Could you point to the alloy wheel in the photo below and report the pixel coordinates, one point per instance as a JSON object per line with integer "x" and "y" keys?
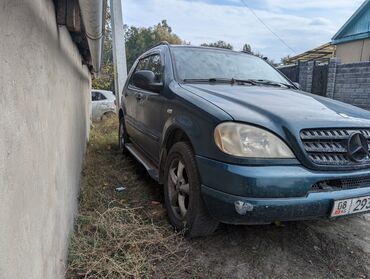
{"x": 178, "y": 188}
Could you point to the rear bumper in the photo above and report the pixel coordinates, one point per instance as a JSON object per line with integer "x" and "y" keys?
{"x": 271, "y": 193}
{"x": 267, "y": 210}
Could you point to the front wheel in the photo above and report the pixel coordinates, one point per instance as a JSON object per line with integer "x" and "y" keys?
{"x": 185, "y": 207}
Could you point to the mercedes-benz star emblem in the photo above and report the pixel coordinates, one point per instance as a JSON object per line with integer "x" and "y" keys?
{"x": 358, "y": 148}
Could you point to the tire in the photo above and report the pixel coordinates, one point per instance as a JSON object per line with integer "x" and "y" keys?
{"x": 122, "y": 135}
{"x": 182, "y": 189}
{"x": 107, "y": 115}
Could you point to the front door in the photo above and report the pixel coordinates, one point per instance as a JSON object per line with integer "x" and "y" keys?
{"x": 131, "y": 99}
{"x": 148, "y": 120}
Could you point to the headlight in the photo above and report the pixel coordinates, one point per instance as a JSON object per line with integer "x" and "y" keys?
{"x": 248, "y": 141}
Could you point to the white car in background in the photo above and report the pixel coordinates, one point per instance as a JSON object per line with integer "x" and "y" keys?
{"x": 103, "y": 104}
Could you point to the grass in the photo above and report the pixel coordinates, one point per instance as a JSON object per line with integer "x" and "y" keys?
{"x": 122, "y": 234}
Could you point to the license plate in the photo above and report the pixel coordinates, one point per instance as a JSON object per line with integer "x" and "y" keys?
{"x": 350, "y": 206}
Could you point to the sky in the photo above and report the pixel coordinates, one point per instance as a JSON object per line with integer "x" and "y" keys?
{"x": 302, "y": 24}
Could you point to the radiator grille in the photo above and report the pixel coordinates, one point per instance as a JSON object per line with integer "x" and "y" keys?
{"x": 328, "y": 147}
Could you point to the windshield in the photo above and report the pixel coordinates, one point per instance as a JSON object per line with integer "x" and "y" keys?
{"x": 202, "y": 63}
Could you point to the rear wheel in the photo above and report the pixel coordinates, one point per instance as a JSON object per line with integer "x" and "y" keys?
{"x": 109, "y": 114}
{"x": 122, "y": 135}
{"x": 185, "y": 207}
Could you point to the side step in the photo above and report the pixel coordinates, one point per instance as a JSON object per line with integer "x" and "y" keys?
{"x": 149, "y": 166}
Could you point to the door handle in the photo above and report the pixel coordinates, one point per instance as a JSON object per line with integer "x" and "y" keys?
{"x": 139, "y": 96}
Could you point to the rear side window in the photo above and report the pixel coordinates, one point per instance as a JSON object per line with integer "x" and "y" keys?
{"x": 97, "y": 96}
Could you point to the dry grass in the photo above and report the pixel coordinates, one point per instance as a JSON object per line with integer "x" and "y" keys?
{"x": 121, "y": 235}
{"x": 119, "y": 243}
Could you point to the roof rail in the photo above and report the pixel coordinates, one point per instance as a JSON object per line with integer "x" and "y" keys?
{"x": 159, "y": 44}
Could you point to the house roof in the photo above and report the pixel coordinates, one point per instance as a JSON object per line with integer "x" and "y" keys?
{"x": 320, "y": 53}
{"x": 357, "y": 26}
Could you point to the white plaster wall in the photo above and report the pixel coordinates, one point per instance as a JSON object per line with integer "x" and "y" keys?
{"x": 44, "y": 126}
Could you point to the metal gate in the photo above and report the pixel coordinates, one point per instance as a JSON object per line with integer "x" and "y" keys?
{"x": 320, "y": 79}
{"x": 291, "y": 72}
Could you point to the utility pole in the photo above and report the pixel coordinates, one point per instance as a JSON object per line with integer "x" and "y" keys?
{"x": 119, "y": 51}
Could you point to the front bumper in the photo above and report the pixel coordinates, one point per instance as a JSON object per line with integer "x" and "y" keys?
{"x": 275, "y": 193}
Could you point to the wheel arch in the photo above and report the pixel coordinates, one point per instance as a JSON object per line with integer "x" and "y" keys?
{"x": 174, "y": 134}
{"x": 120, "y": 113}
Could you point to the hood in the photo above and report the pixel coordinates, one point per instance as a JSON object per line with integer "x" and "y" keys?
{"x": 278, "y": 108}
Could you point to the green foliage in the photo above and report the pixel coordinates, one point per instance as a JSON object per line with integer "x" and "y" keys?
{"x": 140, "y": 39}
{"x": 219, "y": 44}
{"x": 105, "y": 81}
{"x": 247, "y": 48}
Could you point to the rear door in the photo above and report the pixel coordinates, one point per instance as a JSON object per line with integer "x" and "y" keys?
{"x": 98, "y": 102}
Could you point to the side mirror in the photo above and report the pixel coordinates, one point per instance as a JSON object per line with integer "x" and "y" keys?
{"x": 145, "y": 79}
{"x": 297, "y": 85}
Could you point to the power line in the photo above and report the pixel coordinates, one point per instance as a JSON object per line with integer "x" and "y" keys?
{"x": 267, "y": 27}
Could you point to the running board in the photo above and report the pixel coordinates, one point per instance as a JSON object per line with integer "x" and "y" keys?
{"x": 149, "y": 166}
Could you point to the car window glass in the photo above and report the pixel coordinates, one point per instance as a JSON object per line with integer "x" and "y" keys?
{"x": 101, "y": 97}
{"x": 151, "y": 63}
{"x": 199, "y": 63}
{"x": 93, "y": 96}
{"x": 142, "y": 65}
{"x": 97, "y": 96}
{"x": 155, "y": 66}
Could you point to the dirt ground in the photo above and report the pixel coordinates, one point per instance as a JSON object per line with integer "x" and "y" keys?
{"x": 126, "y": 234}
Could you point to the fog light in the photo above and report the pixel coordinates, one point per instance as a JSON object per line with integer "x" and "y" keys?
{"x": 243, "y": 207}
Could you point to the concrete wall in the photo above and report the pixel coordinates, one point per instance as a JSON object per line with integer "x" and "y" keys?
{"x": 306, "y": 75}
{"x": 351, "y": 52}
{"x": 44, "y": 125}
{"x": 349, "y": 83}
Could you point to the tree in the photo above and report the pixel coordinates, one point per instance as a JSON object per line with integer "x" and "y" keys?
{"x": 285, "y": 60}
{"x": 106, "y": 79}
{"x": 247, "y": 48}
{"x": 138, "y": 40}
{"x": 219, "y": 44}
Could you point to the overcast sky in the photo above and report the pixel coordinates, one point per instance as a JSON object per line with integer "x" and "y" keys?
{"x": 302, "y": 24}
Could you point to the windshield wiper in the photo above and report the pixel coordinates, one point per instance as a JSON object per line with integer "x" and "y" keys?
{"x": 220, "y": 80}
{"x": 273, "y": 83}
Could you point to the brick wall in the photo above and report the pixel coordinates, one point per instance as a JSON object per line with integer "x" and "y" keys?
{"x": 305, "y": 75}
{"x": 349, "y": 83}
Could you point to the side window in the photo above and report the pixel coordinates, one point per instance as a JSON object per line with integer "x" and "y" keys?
{"x": 93, "y": 96}
{"x": 155, "y": 66}
{"x": 97, "y": 96}
{"x": 101, "y": 96}
{"x": 142, "y": 65}
{"x": 151, "y": 63}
